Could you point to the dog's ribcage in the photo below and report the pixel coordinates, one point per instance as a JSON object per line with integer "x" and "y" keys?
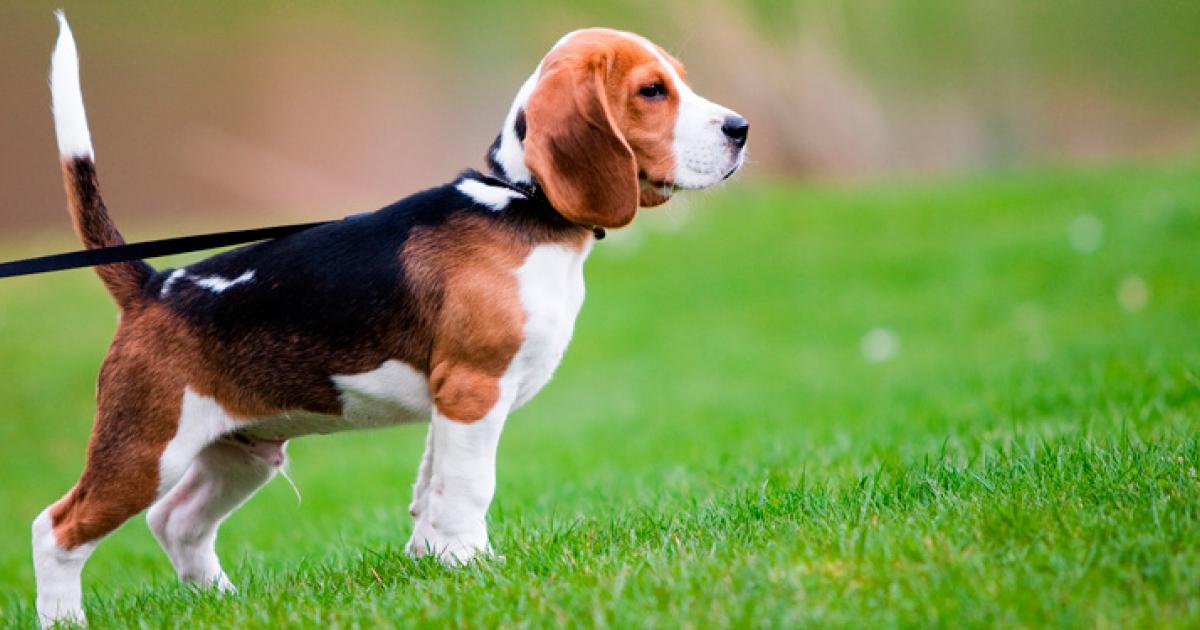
{"x": 551, "y": 293}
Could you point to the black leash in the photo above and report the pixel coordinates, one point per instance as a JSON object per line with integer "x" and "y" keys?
{"x": 148, "y": 249}
{"x": 185, "y": 244}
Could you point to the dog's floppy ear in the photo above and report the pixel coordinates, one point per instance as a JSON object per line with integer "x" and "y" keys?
{"x": 574, "y": 148}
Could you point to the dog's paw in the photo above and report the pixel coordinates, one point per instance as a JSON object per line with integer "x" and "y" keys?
{"x": 51, "y": 617}
{"x": 417, "y": 508}
{"x": 451, "y": 550}
{"x": 208, "y": 580}
{"x": 223, "y": 586}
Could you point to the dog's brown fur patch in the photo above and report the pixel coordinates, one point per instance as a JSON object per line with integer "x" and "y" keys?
{"x": 140, "y": 392}
{"x": 480, "y": 319}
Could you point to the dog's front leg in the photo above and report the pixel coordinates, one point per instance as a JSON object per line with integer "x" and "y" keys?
{"x": 460, "y": 461}
{"x": 420, "y": 499}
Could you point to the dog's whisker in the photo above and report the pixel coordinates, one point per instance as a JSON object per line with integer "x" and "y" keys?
{"x": 285, "y": 472}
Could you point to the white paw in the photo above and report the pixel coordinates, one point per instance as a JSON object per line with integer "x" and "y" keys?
{"x": 451, "y": 550}
{"x": 209, "y": 577}
{"x": 50, "y": 614}
{"x": 222, "y": 585}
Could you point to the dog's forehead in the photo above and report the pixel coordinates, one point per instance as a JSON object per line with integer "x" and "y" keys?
{"x": 626, "y": 48}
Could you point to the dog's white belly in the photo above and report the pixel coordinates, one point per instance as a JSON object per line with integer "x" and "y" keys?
{"x": 293, "y": 424}
{"x": 394, "y": 393}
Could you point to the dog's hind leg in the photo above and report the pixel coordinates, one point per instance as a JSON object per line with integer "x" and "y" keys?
{"x": 135, "y": 423}
{"x": 221, "y": 478}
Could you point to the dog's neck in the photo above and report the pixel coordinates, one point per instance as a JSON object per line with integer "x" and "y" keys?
{"x": 506, "y": 158}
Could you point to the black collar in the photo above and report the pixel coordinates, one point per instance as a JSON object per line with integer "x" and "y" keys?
{"x": 532, "y": 191}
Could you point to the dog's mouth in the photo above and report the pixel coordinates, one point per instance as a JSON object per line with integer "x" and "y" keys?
{"x": 737, "y": 164}
{"x": 665, "y": 188}
{"x": 654, "y": 192}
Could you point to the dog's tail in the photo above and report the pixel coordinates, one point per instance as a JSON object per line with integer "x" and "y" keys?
{"x": 88, "y": 213}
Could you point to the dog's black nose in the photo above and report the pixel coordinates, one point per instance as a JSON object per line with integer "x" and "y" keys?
{"x": 736, "y": 129}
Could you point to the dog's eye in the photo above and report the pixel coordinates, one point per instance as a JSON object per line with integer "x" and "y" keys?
{"x": 653, "y": 91}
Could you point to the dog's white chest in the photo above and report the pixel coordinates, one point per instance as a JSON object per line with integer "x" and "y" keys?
{"x": 550, "y": 289}
{"x": 551, "y": 293}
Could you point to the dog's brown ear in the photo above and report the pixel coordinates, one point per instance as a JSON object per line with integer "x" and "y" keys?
{"x": 574, "y": 148}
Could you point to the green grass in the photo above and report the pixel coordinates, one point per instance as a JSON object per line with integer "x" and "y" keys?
{"x": 716, "y": 451}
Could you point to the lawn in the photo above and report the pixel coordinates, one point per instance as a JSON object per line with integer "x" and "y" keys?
{"x": 968, "y": 403}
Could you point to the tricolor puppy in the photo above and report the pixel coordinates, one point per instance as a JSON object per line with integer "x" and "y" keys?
{"x": 455, "y": 305}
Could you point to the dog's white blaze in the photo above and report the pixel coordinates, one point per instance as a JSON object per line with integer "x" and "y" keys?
{"x": 494, "y": 197}
{"x": 170, "y": 282}
{"x": 457, "y": 477}
{"x": 58, "y": 572}
{"x": 703, "y": 155}
{"x": 217, "y": 284}
{"x": 70, "y": 120}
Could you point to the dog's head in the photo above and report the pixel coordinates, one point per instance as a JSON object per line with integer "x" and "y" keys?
{"x": 608, "y": 124}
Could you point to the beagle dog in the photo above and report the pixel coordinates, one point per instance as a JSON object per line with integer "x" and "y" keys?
{"x": 453, "y": 305}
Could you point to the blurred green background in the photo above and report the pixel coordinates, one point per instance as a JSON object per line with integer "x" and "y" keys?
{"x": 930, "y": 360}
{"x": 241, "y": 112}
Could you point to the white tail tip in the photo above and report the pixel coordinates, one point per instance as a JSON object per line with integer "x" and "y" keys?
{"x": 70, "y": 121}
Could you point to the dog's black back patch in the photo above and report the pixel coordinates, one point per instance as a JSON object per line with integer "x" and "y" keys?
{"x": 287, "y": 315}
